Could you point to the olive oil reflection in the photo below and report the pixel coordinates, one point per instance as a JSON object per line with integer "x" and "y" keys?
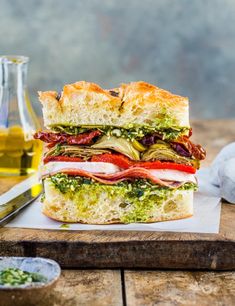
{"x": 17, "y": 155}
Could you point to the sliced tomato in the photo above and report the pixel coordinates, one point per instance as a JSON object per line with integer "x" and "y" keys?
{"x": 116, "y": 159}
{"x": 62, "y": 158}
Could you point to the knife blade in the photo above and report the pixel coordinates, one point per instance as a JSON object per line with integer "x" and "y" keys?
{"x": 11, "y": 208}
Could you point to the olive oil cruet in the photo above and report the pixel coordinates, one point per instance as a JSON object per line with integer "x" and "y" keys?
{"x": 20, "y": 153}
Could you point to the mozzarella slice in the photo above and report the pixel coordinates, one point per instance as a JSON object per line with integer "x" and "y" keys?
{"x": 93, "y": 167}
{"x": 174, "y": 175}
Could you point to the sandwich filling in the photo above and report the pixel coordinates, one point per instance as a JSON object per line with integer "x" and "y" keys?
{"x": 150, "y": 147}
{"x": 166, "y": 126}
{"x": 134, "y": 174}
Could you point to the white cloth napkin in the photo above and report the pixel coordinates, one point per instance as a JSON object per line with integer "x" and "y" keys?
{"x": 219, "y": 179}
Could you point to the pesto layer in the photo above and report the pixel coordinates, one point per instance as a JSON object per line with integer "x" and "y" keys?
{"x": 166, "y": 125}
{"x": 132, "y": 202}
{"x": 66, "y": 183}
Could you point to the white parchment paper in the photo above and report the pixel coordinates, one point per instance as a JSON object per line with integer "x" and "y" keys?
{"x": 206, "y": 219}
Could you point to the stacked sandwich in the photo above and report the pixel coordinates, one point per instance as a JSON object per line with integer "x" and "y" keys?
{"x": 117, "y": 156}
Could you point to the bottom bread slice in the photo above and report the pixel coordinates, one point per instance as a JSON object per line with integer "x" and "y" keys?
{"x": 105, "y": 204}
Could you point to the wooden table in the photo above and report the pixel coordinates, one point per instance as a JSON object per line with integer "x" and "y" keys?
{"x": 150, "y": 287}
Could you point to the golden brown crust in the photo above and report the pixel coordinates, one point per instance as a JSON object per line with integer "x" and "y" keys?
{"x": 48, "y": 214}
{"x": 69, "y": 89}
{"x": 151, "y": 93}
{"x": 47, "y": 95}
{"x": 85, "y": 103}
{"x": 126, "y": 91}
{"x": 84, "y": 86}
{"x": 81, "y": 103}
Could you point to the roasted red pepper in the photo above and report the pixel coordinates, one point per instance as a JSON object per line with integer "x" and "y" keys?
{"x": 125, "y": 163}
{"x": 116, "y": 159}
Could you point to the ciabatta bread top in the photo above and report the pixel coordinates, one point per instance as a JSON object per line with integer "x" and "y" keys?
{"x": 140, "y": 103}
{"x": 81, "y": 103}
{"x": 144, "y": 102}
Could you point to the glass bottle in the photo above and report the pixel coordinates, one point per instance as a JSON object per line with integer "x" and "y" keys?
{"x": 20, "y": 153}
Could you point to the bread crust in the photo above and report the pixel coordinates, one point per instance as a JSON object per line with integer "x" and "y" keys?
{"x": 152, "y": 93}
{"x": 127, "y": 92}
{"x": 81, "y": 87}
{"x": 136, "y": 102}
{"x": 152, "y": 220}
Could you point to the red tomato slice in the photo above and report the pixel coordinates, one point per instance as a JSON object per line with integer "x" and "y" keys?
{"x": 62, "y": 158}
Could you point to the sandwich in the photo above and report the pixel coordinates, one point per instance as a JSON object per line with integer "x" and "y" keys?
{"x": 122, "y": 155}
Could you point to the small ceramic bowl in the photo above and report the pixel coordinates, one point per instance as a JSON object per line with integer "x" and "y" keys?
{"x": 29, "y": 294}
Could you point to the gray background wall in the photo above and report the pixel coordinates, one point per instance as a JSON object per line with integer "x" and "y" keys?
{"x": 186, "y": 46}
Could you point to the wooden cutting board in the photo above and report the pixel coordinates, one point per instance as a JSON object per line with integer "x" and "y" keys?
{"x": 114, "y": 249}
{"x": 129, "y": 249}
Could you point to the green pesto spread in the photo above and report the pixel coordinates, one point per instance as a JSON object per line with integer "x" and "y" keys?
{"x": 141, "y": 196}
{"x": 65, "y": 226}
{"x": 166, "y": 125}
{"x": 42, "y": 199}
{"x": 66, "y": 183}
{"x": 15, "y": 277}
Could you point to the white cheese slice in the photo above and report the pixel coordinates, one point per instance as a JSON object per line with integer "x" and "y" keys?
{"x": 174, "y": 175}
{"x": 93, "y": 167}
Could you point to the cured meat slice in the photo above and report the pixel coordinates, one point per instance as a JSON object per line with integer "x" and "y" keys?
{"x": 114, "y": 178}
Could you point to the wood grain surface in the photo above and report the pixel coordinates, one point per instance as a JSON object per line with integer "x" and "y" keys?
{"x": 75, "y": 287}
{"x": 163, "y": 288}
{"x": 87, "y": 287}
{"x": 115, "y": 249}
{"x": 170, "y": 288}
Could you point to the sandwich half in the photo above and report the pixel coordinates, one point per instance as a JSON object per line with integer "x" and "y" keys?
{"x": 117, "y": 156}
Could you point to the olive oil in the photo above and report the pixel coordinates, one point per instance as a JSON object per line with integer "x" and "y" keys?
{"x": 17, "y": 155}
{"x": 20, "y": 153}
